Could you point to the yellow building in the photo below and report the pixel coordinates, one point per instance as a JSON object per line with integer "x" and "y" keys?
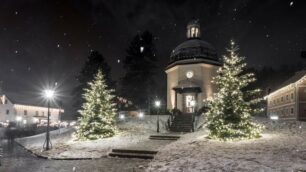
{"x": 192, "y": 65}
{"x": 289, "y": 101}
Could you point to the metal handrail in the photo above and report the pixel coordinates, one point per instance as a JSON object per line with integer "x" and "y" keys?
{"x": 193, "y": 122}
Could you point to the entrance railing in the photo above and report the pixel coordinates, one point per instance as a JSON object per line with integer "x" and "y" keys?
{"x": 172, "y": 115}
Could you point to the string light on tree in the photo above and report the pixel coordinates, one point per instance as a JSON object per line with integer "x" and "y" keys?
{"x": 229, "y": 116}
{"x": 98, "y": 111}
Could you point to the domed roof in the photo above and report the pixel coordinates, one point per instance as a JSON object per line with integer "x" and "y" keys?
{"x": 194, "y": 50}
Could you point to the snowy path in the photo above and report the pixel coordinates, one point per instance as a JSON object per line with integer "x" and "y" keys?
{"x": 16, "y": 159}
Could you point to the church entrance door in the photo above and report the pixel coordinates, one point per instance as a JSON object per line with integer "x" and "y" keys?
{"x": 189, "y": 103}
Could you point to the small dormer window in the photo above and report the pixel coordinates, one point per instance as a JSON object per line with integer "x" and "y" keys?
{"x": 5, "y": 101}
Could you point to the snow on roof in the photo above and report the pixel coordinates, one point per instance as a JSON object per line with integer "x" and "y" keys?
{"x": 295, "y": 78}
{"x": 28, "y": 100}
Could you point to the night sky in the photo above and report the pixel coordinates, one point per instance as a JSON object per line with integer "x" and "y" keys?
{"x": 45, "y": 41}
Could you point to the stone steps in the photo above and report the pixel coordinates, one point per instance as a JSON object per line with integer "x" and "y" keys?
{"x": 182, "y": 123}
{"x": 181, "y": 129}
{"x": 132, "y": 153}
{"x": 164, "y": 137}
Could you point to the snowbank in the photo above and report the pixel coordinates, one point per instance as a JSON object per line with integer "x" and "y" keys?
{"x": 281, "y": 148}
{"x": 147, "y": 124}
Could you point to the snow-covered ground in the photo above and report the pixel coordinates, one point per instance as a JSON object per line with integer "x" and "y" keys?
{"x": 281, "y": 148}
{"x": 133, "y": 133}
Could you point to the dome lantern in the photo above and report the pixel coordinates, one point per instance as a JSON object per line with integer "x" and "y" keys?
{"x": 194, "y": 49}
{"x": 193, "y": 29}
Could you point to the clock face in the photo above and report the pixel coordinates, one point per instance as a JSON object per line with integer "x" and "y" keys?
{"x": 189, "y": 74}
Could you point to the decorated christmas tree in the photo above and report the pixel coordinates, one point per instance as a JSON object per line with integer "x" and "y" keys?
{"x": 229, "y": 115}
{"x": 98, "y": 111}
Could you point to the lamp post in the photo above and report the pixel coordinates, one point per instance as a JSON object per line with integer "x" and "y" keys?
{"x": 157, "y": 105}
{"x": 49, "y": 94}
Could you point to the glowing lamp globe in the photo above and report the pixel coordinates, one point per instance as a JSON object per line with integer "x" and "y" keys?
{"x": 49, "y": 94}
{"x": 157, "y": 103}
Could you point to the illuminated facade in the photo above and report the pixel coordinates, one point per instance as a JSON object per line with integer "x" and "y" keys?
{"x": 192, "y": 66}
{"x": 26, "y": 114}
{"x": 289, "y": 101}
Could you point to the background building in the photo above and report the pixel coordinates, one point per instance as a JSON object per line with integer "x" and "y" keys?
{"x": 289, "y": 101}
{"x": 192, "y": 66}
{"x": 26, "y": 114}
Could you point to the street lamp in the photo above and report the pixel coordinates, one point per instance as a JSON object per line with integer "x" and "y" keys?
{"x": 49, "y": 94}
{"x": 157, "y": 105}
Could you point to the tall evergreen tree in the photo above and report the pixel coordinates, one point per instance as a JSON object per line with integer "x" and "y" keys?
{"x": 140, "y": 64}
{"x": 98, "y": 111}
{"x": 229, "y": 116}
{"x": 94, "y": 62}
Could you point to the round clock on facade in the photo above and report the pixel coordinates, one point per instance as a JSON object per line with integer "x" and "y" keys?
{"x": 189, "y": 74}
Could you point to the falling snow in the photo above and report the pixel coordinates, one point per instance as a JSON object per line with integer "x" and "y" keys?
{"x": 141, "y": 49}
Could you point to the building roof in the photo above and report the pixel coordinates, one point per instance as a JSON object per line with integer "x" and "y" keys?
{"x": 23, "y": 99}
{"x": 194, "y": 48}
{"x": 297, "y": 76}
{"x": 187, "y": 85}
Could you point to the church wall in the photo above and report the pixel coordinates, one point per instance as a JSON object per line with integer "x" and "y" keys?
{"x": 172, "y": 81}
{"x": 208, "y": 88}
{"x": 203, "y": 74}
{"x": 198, "y": 76}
